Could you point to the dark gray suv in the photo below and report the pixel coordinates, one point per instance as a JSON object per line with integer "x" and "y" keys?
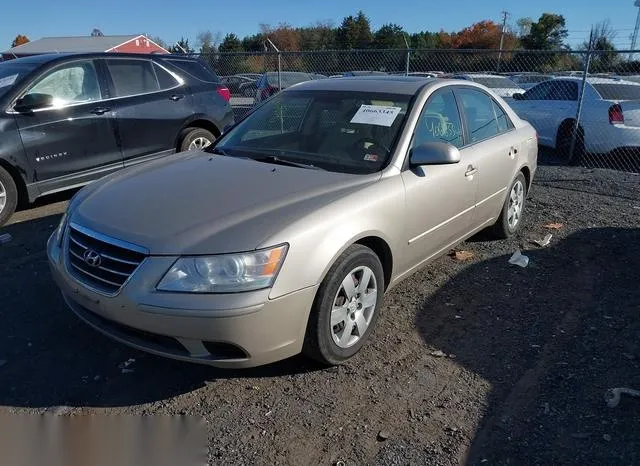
{"x": 68, "y": 119}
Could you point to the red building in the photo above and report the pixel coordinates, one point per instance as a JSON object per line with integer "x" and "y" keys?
{"x": 88, "y": 44}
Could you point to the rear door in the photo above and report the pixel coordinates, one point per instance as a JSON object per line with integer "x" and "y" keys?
{"x": 491, "y": 151}
{"x": 75, "y": 135}
{"x": 151, "y": 105}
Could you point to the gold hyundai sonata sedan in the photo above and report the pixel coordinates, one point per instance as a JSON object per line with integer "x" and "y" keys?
{"x": 284, "y": 235}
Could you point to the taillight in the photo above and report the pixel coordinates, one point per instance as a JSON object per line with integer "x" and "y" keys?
{"x": 224, "y": 93}
{"x": 615, "y": 115}
{"x": 268, "y": 92}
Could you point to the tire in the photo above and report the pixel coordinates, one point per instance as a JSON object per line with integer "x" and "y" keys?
{"x": 192, "y": 138}
{"x": 8, "y": 196}
{"x": 335, "y": 344}
{"x": 505, "y": 227}
{"x": 563, "y": 144}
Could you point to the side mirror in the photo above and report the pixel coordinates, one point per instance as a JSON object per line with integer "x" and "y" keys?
{"x": 34, "y": 102}
{"x": 434, "y": 153}
{"x": 518, "y": 96}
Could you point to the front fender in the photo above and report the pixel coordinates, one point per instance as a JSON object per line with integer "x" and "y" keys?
{"x": 317, "y": 240}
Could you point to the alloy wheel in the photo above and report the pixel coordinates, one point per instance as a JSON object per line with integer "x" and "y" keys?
{"x": 516, "y": 204}
{"x": 199, "y": 143}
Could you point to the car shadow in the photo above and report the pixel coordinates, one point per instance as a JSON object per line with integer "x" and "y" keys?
{"x": 48, "y": 357}
{"x": 550, "y": 339}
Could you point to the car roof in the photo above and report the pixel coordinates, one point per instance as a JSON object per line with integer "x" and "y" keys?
{"x": 51, "y": 57}
{"x": 592, "y": 80}
{"x": 407, "y": 85}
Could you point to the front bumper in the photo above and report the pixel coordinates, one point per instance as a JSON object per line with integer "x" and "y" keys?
{"x": 224, "y": 330}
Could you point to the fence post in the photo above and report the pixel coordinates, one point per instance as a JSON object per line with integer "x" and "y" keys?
{"x": 408, "y": 58}
{"x": 279, "y": 64}
{"x": 576, "y": 124}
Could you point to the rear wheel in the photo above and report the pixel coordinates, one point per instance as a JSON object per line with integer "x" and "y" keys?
{"x": 346, "y": 307}
{"x": 511, "y": 216}
{"x": 8, "y": 196}
{"x": 196, "y": 139}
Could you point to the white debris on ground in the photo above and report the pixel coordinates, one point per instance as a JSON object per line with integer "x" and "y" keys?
{"x": 519, "y": 259}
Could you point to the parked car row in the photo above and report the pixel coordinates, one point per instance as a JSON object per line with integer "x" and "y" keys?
{"x": 68, "y": 119}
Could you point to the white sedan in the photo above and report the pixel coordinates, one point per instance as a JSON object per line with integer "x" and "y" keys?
{"x": 609, "y": 122}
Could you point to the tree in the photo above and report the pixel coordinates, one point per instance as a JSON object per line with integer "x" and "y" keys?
{"x": 548, "y": 33}
{"x": 158, "y": 40}
{"x": 389, "y": 36}
{"x": 601, "y": 41}
{"x": 254, "y": 43}
{"x": 208, "y": 42}
{"x": 355, "y": 32}
{"x": 320, "y": 36}
{"x": 424, "y": 40}
{"x": 284, "y": 36}
{"x": 19, "y": 40}
{"x": 182, "y": 46}
{"x": 524, "y": 26}
{"x": 483, "y": 35}
{"x": 230, "y": 43}
{"x": 96, "y": 33}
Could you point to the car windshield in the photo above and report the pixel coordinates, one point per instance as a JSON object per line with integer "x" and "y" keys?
{"x": 496, "y": 83}
{"x": 288, "y": 79}
{"x": 11, "y": 72}
{"x": 618, "y": 91}
{"x": 348, "y": 132}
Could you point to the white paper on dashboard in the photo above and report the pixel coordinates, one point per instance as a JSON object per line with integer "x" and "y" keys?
{"x": 376, "y": 115}
{"x": 8, "y": 80}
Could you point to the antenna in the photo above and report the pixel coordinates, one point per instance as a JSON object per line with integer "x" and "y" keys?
{"x": 634, "y": 37}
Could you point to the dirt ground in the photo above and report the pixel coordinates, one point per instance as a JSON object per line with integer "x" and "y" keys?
{"x": 472, "y": 362}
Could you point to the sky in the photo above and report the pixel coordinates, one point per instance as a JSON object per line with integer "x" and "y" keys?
{"x": 171, "y": 20}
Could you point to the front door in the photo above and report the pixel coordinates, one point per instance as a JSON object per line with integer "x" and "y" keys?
{"x": 151, "y": 107}
{"x": 440, "y": 199}
{"x": 76, "y": 134}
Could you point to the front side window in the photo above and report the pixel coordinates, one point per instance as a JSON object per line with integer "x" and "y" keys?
{"x": 76, "y": 82}
{"x": 342, "y": 131}
{"x": 132, "y": 77}
{"x": 479, "y": 113}
{"x": 439, "y": 121}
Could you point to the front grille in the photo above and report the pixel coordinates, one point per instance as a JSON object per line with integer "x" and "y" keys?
{"x": 107, "y": 274}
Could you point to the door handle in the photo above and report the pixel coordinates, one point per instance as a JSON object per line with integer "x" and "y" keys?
{"x": 176, "y": 97}
{"x": 100, "y": 110}
{"x": 471, "y": 170}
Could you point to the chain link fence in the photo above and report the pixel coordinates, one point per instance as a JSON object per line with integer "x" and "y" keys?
{"x": 585, "y": 105}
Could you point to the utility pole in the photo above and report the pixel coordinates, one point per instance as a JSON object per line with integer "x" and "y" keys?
{"x": 505, "y": 15}
{"x": 634, "y": 37}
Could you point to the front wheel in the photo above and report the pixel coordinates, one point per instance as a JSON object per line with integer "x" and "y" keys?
{"x": 8, "y": 196}
{"x": 510, "y": 218}
{"x": 346, "y": 307}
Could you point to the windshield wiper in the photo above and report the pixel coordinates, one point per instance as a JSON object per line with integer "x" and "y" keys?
{"x": 280, "y": 161}
{"x": 219, "y": 151}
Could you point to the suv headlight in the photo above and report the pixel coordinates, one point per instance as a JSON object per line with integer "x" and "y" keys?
{"x": 225, "y": 273}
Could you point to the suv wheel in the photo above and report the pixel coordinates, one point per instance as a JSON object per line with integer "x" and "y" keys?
{"x": 8, "y": 196}
{"x": 196, "y": 139}
{"x": 346, "y": 307}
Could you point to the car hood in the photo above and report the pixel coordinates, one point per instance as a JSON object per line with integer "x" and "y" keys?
{"x": 199, "y": 203}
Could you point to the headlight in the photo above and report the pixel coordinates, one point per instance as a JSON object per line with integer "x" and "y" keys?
{"x": 226, "y": 273}
{"x": 61, "y": 227}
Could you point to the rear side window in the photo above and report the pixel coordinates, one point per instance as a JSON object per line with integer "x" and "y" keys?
{"x": 165, "y": 79}
{"x": 478, "y": 110}
{"x": 563, "y": 90}
{"x": 132, "y": 77}
{"x": 504, "y": 123}
{"x": 618, "y": 91}
{"x": 196, "y": 69}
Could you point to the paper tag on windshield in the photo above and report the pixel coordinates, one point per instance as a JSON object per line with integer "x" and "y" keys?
{"x": 376, "y": 115}
{"x": 8, "y": 80}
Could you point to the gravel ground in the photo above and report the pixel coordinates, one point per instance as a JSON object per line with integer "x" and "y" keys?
{"x": 475, "y": 362}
